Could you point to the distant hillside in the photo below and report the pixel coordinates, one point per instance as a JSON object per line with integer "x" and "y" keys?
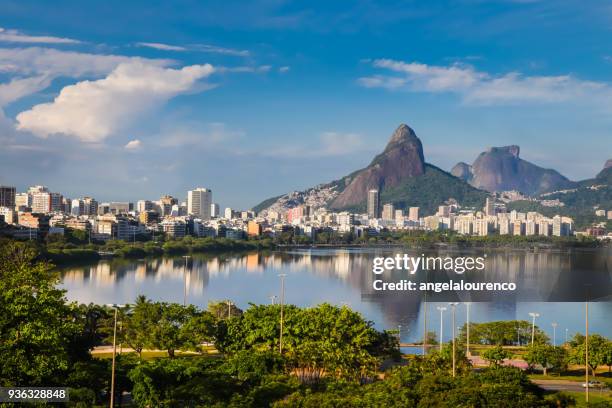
{"x": 579, "y": 202}
{"x": 399, "y": 173}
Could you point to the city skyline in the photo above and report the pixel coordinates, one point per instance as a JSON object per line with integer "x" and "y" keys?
{"x": 235, "y": 96}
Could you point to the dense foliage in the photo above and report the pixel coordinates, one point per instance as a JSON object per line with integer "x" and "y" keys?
{"x": 504, "y": 333}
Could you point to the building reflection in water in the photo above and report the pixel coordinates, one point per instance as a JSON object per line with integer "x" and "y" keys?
{"x": 345, "y": 276}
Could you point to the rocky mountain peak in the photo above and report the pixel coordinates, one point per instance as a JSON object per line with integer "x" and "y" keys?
{"x": 501, "y": 169}
{"x": 608, "y": 164}
{"x": 402, "y": 158}
{"x": 512, "y": 150}
{"x": 402, "y": 135}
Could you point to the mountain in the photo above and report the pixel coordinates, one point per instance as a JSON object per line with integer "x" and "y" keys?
{"x": 605, "y": 175}
{"x": 501, "y": 169}
{"x": 401, "y": 159}
{"x": 401, "y": 175}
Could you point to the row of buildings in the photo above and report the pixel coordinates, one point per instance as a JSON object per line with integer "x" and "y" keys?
{"x": 39, "y": 211}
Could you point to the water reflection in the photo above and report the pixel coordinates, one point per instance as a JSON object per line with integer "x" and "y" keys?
{"x": 547, "y": 283}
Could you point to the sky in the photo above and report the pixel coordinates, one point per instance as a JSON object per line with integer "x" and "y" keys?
{"x": 133, "y": 100}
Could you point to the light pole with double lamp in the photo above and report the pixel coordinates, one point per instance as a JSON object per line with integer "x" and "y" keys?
{"x": 441, "y": 309}
{"x": 282, "y": 306}
{"x": 554, "y": 326}
{"x": 112, "y": 390}
{"x": 453, "y": 306}
{"x": 467, "y": 328}
{"x": 533, "y": 317}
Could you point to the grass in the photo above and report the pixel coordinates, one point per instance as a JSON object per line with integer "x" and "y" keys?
{"x": 594, "y": 397}
{"x": 151, "y": 354}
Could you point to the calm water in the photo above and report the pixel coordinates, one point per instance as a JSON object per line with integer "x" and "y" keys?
{"x": 546, "y": 282}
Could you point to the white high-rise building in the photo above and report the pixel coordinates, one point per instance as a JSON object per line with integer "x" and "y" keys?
{"x": 198, "y": 202}
{"x": 228, "y": 213}
{"x": 214, "y": 210}
{"x": 413, "y": 214}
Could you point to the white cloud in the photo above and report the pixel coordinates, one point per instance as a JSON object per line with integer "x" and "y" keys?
{"x": 93, "y": 110}
{"x": 329, "y": 144}
{"x": 212, "y": 49}
{"x": 160, "y": 46}
{"x": 35, "y": 68}
{"x": 334, "y": 143}
{"x": 191, "y": 134}
{"x": 37, "y": 60}
{"x": 133, "y": 145}
{"x": 284, "y": 69}
{"x": 19, "y": 87}
{"x": 481, "y": 87}
{"x": 15, "y": 36}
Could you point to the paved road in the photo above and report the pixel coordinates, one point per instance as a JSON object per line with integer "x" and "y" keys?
{"x": 563, "y": 385}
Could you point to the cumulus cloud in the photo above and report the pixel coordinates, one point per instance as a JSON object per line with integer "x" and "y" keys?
{"x": 133, "y": 145}
{"x": 34, "y": 68}
{"x": 93, "y": 110}
{"x": 481, "y": 87}
{"x": 15, "y": 36}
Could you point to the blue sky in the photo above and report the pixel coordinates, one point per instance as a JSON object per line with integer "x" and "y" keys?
{"x": 132, "y": 100}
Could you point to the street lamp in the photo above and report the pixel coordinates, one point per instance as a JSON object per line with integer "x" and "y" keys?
{"x": 273, "y": 298}
{"x": 566, "y": 331}
{"x": 186, "y": 257}
{"x": 467, "y": 326}
{"x": 453, "y": 305}
{"x": 282, "y": 300}
{"x": 441, "y": 309}
{"x": 399, "y": 333}
{"x": 533, "y": 315}
{"x": 229, "y": 308}
{"x": 554, "y": 326}
{"x": 112, "y": 392}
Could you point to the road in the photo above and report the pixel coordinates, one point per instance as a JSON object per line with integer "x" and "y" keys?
{"x": 563, "y": 385}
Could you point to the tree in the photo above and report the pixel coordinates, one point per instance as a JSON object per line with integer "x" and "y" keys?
{"x": 182, "y": 382}
{"x": 323, "y": 339}
{"x": 547, "y": 356}
{"x": 496, "y": 355}
{"x": 598, "y": 349}
{"x": 167, "y": 334}
{"x": 224, "y": 309}
{"x": 37, "y": 327}
{"x": 139, "y": 323}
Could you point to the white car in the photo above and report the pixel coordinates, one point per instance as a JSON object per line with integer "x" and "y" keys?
{"x": 592, "y": 384}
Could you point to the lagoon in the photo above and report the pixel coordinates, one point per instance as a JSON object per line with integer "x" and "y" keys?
{"x": 551, "y": 283}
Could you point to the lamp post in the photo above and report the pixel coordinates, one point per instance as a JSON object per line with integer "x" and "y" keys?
{"x": 453, "y": 306}
{"x": 554, "y": 326}
{"x": 533, "y": 316}
{"x": 282, "y": 300}
{"x": 399, "y": 333}
{"x": 566, "y": 331}
{"x": 467, "y": 327}
{"x": 441, "y": 309}
{"x": 586, "y": 347}
{"x": 112, "y": 391}
{"x": 186, "y": 257}
{"x": 273, "y": 298}
{"x": 229, "y": 308}
{"x": 425, "y": 319}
